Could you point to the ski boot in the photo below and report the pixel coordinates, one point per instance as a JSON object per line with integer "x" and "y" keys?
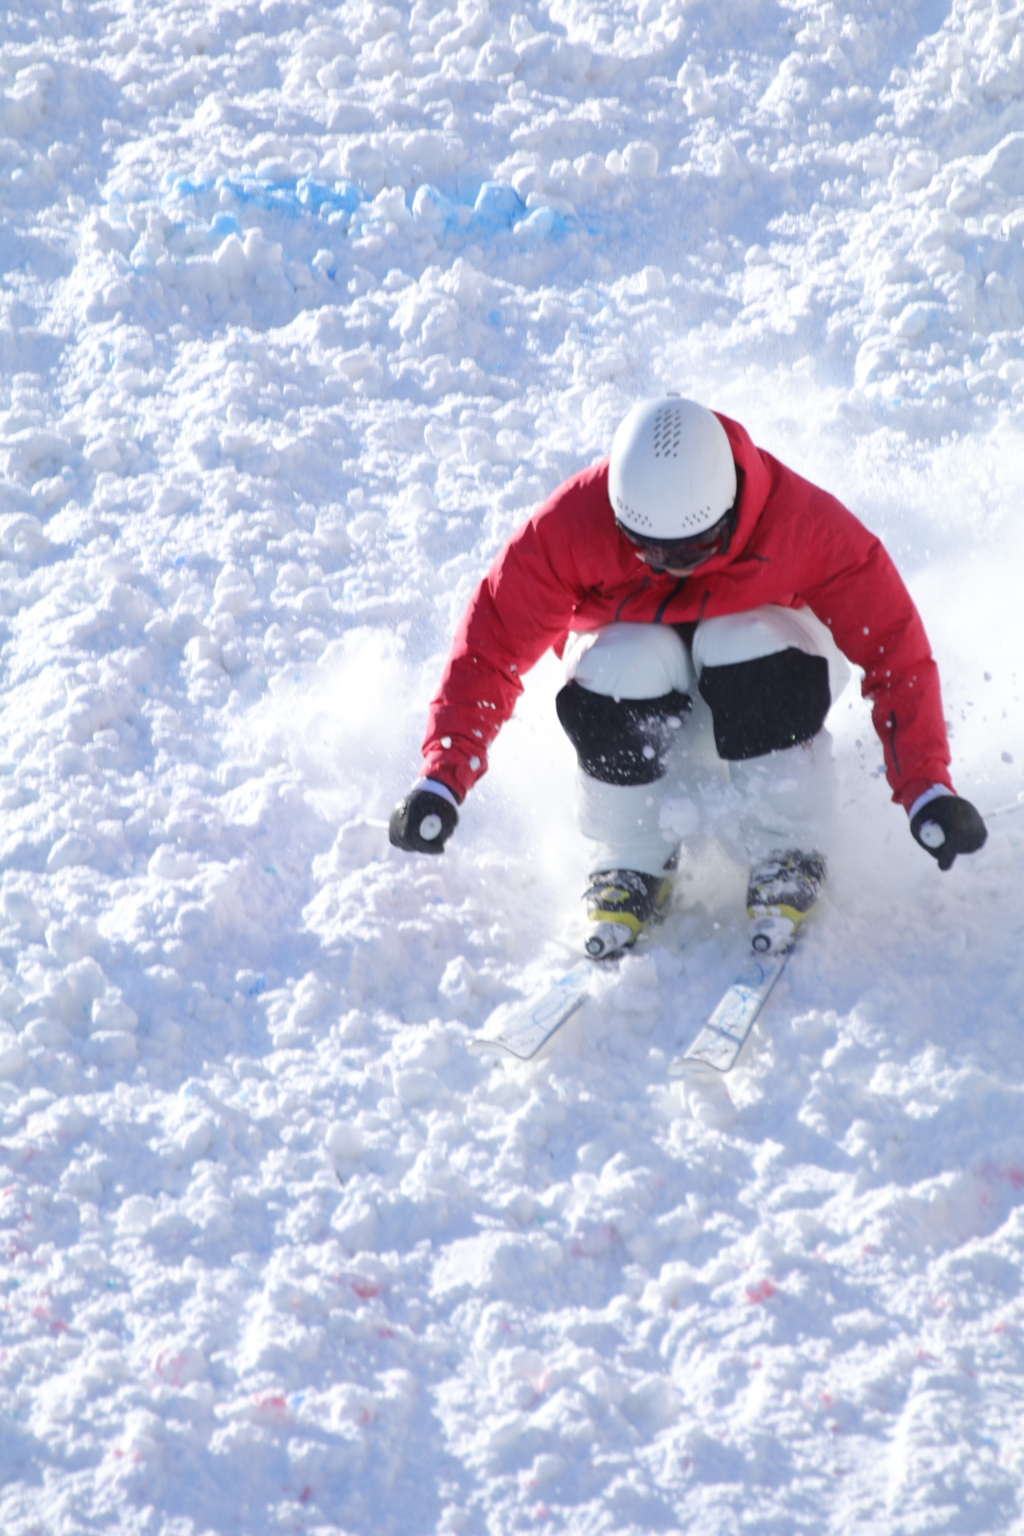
{"x": 782, "y": 892}
{"x": 620, "y": 904}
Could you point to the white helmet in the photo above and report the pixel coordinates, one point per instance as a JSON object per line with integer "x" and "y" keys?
{"x": 672, "y": 473}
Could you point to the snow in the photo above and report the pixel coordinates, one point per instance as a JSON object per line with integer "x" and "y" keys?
{"x": 303, "y": 309}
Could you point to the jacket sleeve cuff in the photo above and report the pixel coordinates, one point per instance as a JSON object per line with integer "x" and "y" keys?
{"x": 447, "y": 773}
{"x": 911, "y": 792}
{"x": 935, "y": 792}
{"x": 436, "y": 787}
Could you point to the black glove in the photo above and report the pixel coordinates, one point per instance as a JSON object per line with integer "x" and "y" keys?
{"x": 422, "y": 822}
{"x": 947, "y": 826}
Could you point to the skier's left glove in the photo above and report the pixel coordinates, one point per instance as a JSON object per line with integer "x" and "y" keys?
{"x": 422, "y": 822}
{"x": 947, "y": 826}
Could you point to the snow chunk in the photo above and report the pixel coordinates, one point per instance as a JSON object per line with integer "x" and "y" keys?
{"x": 21, "y": 913}
{"x": 137, "y": 1214}
{"x": 194, "y": 1139}
{"x": 234, "y": 591}
{"x": 344, "y": 1142}
{"x": 501, "y": 1262}
{"x": 497, "y": 206}
{"x": 356, "y": 1224}
{"x": 12, "y": 1054}
{"x": 1005, "y": 163}
{"x": 459, "y": 982}
{"x": 179, "y": 1362}
{"x": 22, "y": 536}
{"x": 112, "y": 1013}
{"x": 70, "y": 849}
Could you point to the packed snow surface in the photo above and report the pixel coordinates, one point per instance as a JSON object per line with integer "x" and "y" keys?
{"x": 304, "y": 308}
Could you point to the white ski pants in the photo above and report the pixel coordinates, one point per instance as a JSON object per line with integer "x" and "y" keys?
{"x": 780, "y": 796}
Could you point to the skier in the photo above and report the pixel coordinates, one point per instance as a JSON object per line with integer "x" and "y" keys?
{"x": 691, "y": 556}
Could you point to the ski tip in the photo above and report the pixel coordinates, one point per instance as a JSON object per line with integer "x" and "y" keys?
{"x": 692, "y": 1068}
{"x": 480, "y": 1046}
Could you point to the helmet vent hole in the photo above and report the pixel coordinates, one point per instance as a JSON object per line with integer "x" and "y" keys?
{"x": 668, "y": 429}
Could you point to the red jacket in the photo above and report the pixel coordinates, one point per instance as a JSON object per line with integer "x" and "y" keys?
{"x": 569, "y": 568}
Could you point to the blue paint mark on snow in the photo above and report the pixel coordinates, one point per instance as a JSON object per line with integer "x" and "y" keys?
{"x": 497, "y": 206}
{"x": 300, "y": 197}
{"x": 542, "y": 224}
{"x": 224, "y": 224}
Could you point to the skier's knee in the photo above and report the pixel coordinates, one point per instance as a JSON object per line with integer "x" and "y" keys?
{"x": 765, "y": 676}
{"x": 629, "y": 661}
{"x": 624, "y": 700}
{"x": 620, "y": 741}
{"x": 766, "y": 704}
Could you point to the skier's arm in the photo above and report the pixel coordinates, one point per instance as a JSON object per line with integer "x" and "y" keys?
{"x": 523, "y": 606}
{"x": 875, "y": 623}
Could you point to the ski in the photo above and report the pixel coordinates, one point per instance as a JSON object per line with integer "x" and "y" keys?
{"x": 526, "y": 1026}
{"x": 723, "y": 1036}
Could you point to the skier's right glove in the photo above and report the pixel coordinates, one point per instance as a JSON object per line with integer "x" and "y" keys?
{"x": 422, "y": 822}
{"x": 947, "y": 826}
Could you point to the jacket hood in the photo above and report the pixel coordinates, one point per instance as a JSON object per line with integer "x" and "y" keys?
{"x": 755, "y": 485}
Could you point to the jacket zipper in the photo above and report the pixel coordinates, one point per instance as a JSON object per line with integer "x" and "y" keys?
{"x": 892, "y": 741}
{"x": 659, "y": 613}
{"x": 629, "y": 596}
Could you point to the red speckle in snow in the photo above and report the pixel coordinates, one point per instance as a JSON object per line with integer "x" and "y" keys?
{"x": 306, "y": 1495}
{"x": 366, "y": 1417}
{"x": 271, "y": 1403}
{"x": 539, "y": 1512}
{"x": 170, "y": 1365}
{"x": 826, "y": 1399}
{"x": 1013, "y": 1175}
{"x": 1001, "y": 1328}
{"x": 385, "y": 1333}
{"x": 762, "y": 1291}
{"x": 365, "y": 1288}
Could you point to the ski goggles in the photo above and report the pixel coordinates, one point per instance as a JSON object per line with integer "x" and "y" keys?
{"x": 683, "y": 554}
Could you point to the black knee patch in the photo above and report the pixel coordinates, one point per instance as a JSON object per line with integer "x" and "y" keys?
{"x": 620, "y": 741}
{"x": 766, "y": 704}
